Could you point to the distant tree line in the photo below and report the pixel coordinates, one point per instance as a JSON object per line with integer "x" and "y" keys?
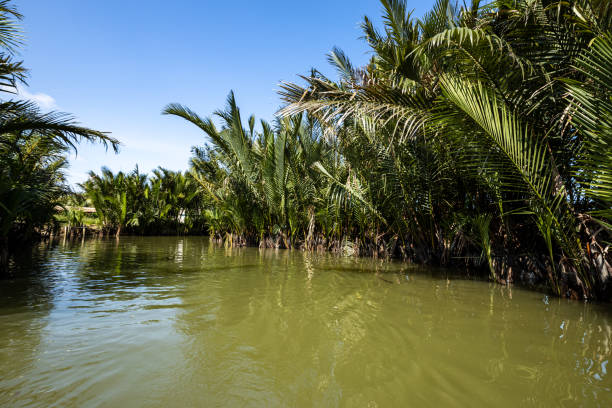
{"x": 167, "y": 202}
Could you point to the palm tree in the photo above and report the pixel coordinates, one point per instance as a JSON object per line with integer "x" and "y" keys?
{"x": 468, "y": 129}
{"x": 108, "y": 194}
{"x": 165, "y": 202}
{"x": 464, "y": 96}
{"x": 33, "y": 145}
{"x": 255, "y": 180}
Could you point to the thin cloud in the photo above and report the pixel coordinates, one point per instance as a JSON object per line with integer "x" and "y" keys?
{"x": 43, "y": 100}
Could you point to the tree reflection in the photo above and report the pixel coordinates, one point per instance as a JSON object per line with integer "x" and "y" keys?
{"x": 202, "y": 325}
{"x": 292, "y": 328}
{"x": 26, "y": 298}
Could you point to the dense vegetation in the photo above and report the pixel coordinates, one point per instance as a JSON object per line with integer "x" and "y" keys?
{"x": 33, "y": 148}
{"x": 166, "y": 203}
{"x": 477, "y": 135}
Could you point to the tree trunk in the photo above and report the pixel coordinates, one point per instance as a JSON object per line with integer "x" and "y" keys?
{"x": 286, "y": 240}
{"x": 4, "y": 255}
{"x": 310, "y": 244}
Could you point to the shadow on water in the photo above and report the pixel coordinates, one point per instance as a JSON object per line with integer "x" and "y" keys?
{"x": 27, "y": 294}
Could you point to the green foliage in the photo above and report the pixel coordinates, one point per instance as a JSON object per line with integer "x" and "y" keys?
{"x": 259, "y": 183}
{"x": 498, "y": 113}
{"x": 478, "y": 132}
{"x": 166, "y": 202}
{"x": 33, "y": 148}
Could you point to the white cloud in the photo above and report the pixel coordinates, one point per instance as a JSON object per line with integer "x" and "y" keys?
{"x": 43, "y": 100}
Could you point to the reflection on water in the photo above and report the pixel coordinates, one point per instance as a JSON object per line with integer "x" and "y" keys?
{"x": 175, "y": 322}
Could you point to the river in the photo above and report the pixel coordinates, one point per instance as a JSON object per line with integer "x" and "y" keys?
{"x": 176, "y": 322}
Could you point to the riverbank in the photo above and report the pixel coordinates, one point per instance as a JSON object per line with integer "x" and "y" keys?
{"x": 474, "y": 267}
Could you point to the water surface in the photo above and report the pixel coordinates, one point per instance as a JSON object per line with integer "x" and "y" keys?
{"x": 175, "y": 322}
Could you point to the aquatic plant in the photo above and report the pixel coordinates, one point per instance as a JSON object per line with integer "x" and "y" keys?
{"x": 496, "y": 112}
{"x": 166, "y": 202}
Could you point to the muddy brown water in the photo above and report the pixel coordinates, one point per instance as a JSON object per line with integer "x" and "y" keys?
{"x": 176, "y": 322}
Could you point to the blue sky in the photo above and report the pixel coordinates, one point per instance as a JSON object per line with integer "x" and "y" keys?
{"x": 115, "y": 64}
